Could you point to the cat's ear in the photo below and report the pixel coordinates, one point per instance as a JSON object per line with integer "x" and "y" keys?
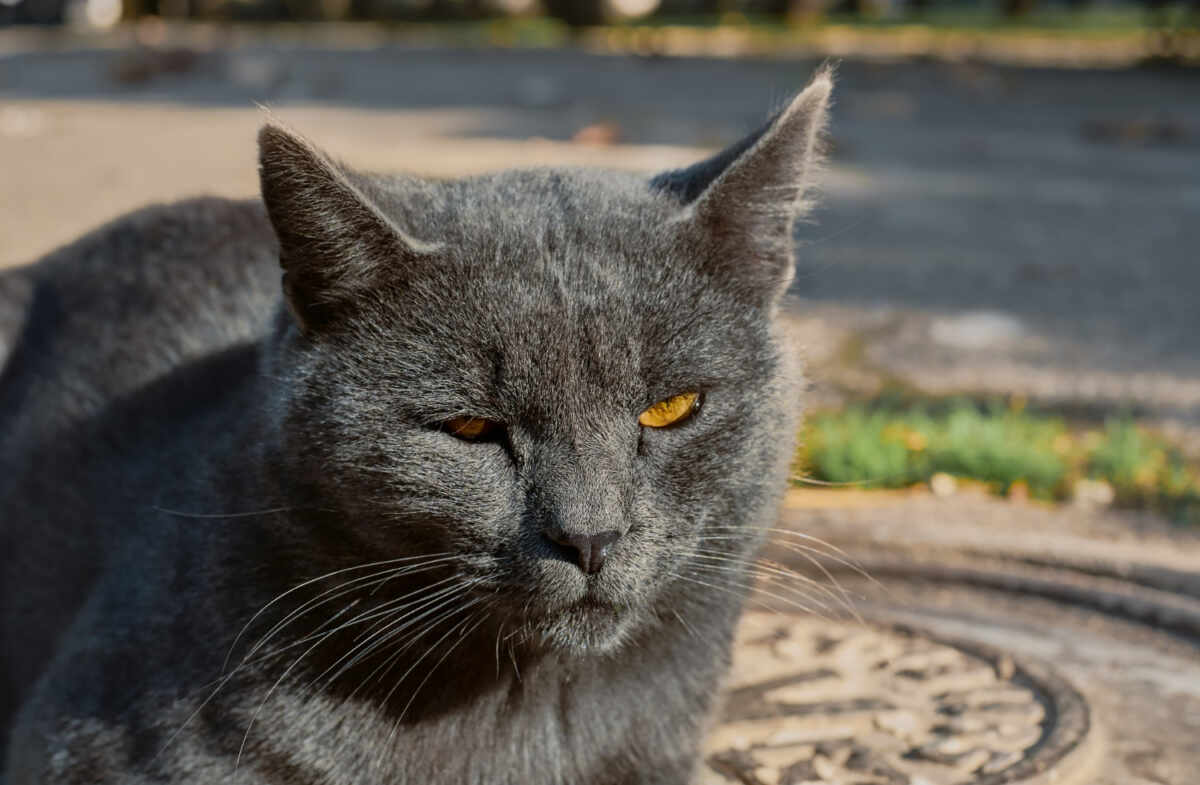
{"x": 745, "y": 200}
{"x": 335, "y": 243}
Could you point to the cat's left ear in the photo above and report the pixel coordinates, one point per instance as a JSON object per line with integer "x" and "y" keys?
{"x": 744, "y": 201}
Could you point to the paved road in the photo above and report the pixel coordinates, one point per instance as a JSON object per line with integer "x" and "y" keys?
{"x": 984, "y": 228}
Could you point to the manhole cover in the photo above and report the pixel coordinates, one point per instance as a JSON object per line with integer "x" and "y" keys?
{"x": 814, "y": 701}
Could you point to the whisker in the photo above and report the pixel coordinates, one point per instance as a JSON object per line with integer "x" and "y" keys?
{"x": 311, "y": 581}
{"x": 512, "y": 656}
{"x": 744, "y": 595}
{"x": 369, "y": 614}
{"x": 809, "y": 556}
{"x": 225, "y": 679}
{"x": 773, "y": 566}
{"x": 282, "y": 677}
{"x": 252, "y": 657}
{"x": 263, "y": 703}
{"x": 691, "y": 631}
{"x": 462, "y": 636}
{"x": 348, "y": 587}
{"x": 838, "y": 556}
{"x": 841, "y": 595}
{"x": 392, "y": 612}
{"x": 789, "y": 532}
{"x": 757, "y": 583}
{"x": 499, "y": 632}
{"x": 724, "y": 571}
{"x": 827, "y": 484}
{"x": 222, "y": 515}
{"x": 406, "y": 619}
{"x": 433, "y": 647}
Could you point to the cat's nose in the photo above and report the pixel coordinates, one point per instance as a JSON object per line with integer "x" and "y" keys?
{"x": 588, "y": 550}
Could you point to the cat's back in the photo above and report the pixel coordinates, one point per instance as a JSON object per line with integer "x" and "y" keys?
{"x": 100, "y": 318}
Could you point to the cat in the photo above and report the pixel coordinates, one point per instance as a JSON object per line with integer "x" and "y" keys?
{"x": 470, "y": 498}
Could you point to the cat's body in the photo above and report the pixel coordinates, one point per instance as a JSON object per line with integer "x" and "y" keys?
{"x": 180, "y": 454}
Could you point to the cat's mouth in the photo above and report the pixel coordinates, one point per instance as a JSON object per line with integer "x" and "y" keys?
{"x": 588, "y": 604}
{"x": 564, "y": 610}
{"x": 592, "y": 604}
{"x": 590, "y": 625}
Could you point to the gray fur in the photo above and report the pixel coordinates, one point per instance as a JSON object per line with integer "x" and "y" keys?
{"x": 184, "y": 454}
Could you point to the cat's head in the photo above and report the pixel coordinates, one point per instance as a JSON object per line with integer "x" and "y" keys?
{"x": 571, "y": 383}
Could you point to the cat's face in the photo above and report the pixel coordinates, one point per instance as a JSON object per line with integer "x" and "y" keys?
{"x": 488, "y": 391}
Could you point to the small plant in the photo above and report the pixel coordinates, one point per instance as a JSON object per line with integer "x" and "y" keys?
{"x": 1145, "y": 471}
{"x": 896, "y": 443}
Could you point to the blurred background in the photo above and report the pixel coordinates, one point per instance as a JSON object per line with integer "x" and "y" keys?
{"x": 998, "y": 299}
{"x": 1002, "y": 285}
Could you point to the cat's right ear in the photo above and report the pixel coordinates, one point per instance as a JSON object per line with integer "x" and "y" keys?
{"x": 335, "y": 243}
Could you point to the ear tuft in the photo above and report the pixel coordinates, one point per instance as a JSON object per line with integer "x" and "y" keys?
{"x": 745, "y": 200}
{"x": 335, "y": 243}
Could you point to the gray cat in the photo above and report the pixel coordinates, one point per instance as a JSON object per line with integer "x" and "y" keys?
{"x": 473, "y": 501}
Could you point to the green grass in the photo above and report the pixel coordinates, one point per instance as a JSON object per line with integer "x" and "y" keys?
{"x": 894, "y": 443}
{"x": 1144, "y": 470}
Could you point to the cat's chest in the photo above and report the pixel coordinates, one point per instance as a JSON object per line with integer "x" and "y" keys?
{"x": 518, "y": 732}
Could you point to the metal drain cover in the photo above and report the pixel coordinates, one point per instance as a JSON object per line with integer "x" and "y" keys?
{"x": 817, "y": 701}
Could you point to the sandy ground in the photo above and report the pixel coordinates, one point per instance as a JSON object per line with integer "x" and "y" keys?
{"x": 984, "y": 229}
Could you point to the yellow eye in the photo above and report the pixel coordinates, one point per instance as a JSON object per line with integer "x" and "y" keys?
{"x": 470, "y": 429}
{"x": 672, "y": 411}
